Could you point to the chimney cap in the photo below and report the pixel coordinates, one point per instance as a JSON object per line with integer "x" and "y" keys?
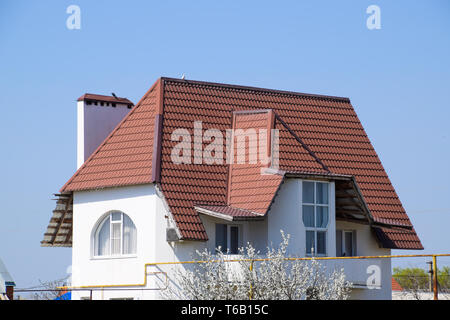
{"x": 102, "y": 98}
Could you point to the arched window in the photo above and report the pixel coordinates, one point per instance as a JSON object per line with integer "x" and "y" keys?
{"x": 115, "y": 235}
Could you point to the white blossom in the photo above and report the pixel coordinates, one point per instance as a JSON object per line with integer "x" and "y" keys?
{"x": 277, "y": 276}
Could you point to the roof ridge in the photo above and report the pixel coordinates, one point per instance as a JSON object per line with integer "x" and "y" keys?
{"x": 250, "y": 88}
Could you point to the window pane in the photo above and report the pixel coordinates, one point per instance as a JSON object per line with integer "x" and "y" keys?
{"x": 309, "y": 241}
{"x": 129, "y": 236}
{"x": 322, "y": 193}
{"x": 115, "y": 246}
{"x": 338, "y": 243}
{"x": 308, "y": 192}
{"x": 321, "y": 242}
{"x": 115, "y": 238}
{"x": 115, "y": 216}
{"x": 116, "y": 230}
{"x": 234, "y": 240}
{"x": 308, "y": 216}
{"x": 348, "y": 244}
{"x": 221, "y": 237}
{"x": 322, "y": 217}
{"x": 102, "y": 242}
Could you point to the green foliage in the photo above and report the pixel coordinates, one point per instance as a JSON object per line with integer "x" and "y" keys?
{"x": 419, "y": 279}
{"x": 412, "y": 278}
{"x": 444, "y": 278}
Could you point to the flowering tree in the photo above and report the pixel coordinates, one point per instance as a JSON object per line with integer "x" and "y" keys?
{"x": 275, "y": 277}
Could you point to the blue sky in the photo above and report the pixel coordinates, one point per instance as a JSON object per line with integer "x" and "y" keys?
{"x": 398, "y": 80}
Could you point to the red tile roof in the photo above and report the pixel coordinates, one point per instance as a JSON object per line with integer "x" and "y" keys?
{"x": 318, "y": 134}
{"x": 230, "y": 213}
{"x": 247, "y": 188}
{"x": 396, "y": 286}
{"x": 125, "y": 157}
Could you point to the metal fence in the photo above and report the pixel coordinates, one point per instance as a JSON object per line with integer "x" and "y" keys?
{"x": 415, "y": 284}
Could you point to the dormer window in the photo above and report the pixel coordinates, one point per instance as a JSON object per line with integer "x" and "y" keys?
{"x": 315, "y": 215}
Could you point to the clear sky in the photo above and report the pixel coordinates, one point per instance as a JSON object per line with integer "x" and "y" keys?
{"x": 397, "y": 77}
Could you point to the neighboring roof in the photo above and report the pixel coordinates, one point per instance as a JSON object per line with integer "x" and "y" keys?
{"x": 101, "y": 98}
{"x": 59, "y": 229}
{"x": 318, "y": 134}
{"x": 396, "y": 286}
{"x": 64, "y": 295}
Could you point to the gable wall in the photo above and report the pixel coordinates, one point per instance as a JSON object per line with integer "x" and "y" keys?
{"x": 139, "y": 203}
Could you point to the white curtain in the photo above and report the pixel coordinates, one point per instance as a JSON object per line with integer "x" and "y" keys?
{"x": 129, "y": 236}
{"x": 308, "y": 216}
{"x": 115, "y": 237}
{"x": 103, "y": 238}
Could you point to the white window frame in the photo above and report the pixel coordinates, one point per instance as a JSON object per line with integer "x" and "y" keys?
{"x": 120, "y": 223}
{"x": 229, "y": 226}
{"x": 95, "y": 237}
{"x": 317, "y": 229}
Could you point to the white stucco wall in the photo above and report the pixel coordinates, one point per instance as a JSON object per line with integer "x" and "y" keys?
{"x": 139, "y": 203}
{"x": 144, "y": 205}
{"x": 367, "y": 245}
{"x": 286, "y": 214}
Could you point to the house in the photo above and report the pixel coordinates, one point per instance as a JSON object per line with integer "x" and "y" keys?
{"x": 395, "y": 285}
{"x": 198, "y": 165}
{"x": 7, "y": 283}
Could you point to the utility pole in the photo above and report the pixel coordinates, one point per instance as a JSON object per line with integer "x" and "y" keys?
{"x": 430, "y": 271}
{"x": 435, "y": 279}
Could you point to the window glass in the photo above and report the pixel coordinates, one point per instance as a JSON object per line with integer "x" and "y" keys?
{"x": 308, "y": 192}
{"x": 102, "y": 243}
{"x": 129, "y": 236}
{"x": 116, "y": 236}
{"x": 348, "y": 244}
{"x": 115, "y": 216}
{"x": 321, "y": 242}
{"x": 321, "y": 217}
{"x": 234, "y": 240}
{"x": 221, "y": 237}
{"x": 338, "y": 243}
{"x": 308, "y": 216}
{"x": 322, "y": 193}
{"x": 315, "y": 215}
{"x": 309, "y": 241}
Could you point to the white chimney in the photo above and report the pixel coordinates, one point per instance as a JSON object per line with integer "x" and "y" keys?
{"x": 97, "y": 116}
